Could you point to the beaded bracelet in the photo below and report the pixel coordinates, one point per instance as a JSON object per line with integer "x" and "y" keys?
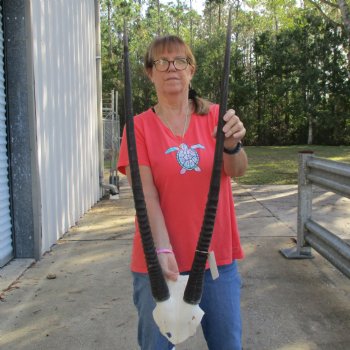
{"x": 234, "y": 150}
{"x": 164, "y": 250}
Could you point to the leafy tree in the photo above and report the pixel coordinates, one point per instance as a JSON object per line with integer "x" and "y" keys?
{"x": 289, "y": 77}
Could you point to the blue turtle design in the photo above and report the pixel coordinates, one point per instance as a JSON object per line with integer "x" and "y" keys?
{"x": 186, "y": 156}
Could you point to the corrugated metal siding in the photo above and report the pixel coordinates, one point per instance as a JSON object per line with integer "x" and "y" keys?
{"x": 5, "y": 219}
{"x": 66, "y": 110}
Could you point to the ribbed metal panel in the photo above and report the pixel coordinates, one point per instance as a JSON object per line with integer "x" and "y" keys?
{"x": 5, "y": 219}
{"x": 63, "y": 34}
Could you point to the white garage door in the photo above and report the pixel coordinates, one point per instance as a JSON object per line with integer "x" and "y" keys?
{"x": 5, "y": 218}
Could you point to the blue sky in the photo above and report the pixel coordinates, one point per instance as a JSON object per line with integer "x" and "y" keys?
{"x": 197, "y": 5}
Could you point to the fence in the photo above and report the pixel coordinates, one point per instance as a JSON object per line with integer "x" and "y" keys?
{"x": 111, "y": 134}
{"x": 332, "y": 176}
{"x": 111, "y": 124}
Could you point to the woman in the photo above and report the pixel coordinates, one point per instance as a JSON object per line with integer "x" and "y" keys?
{"x": 175, "y": 144}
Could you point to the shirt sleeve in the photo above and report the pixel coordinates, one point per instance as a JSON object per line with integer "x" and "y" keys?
{"x": 141, "y": 146}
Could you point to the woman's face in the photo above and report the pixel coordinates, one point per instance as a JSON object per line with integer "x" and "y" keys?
{"x": 171, "y": 81}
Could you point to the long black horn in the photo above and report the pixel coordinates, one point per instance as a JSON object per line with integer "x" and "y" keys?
{"x": 159, "y": 287}
{"x": 194, "y": 287}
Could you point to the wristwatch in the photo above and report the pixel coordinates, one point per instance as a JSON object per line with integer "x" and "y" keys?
{"x": 234, "y": 150}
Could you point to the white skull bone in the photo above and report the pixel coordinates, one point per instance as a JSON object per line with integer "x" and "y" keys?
{"x": 176, "y": 319}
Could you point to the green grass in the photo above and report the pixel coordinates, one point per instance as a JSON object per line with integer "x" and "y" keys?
{"x": 278, "y": 165}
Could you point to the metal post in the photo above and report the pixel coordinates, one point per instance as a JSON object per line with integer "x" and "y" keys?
{"x": 116, "y": 140}
{"x": 304, "y": 204}
{"x": 302, "y": 249}
{"x": 117, "y": 123}
{"x": 113, "y": 129}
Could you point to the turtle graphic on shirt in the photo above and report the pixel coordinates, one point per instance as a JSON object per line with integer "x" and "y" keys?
{"x": 186, "y": 156}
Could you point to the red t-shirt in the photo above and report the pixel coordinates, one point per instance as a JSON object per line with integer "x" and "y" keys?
{"x": 181, "y": 170}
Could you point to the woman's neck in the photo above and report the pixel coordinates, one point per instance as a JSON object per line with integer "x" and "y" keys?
{"x": 175, "y": 116}
{"x": 172, "y": 108}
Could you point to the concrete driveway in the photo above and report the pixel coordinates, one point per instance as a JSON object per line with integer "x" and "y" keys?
{"x": 79, "y": 295}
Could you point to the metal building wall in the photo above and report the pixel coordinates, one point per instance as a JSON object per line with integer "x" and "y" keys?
{"x": 5, "y": 218}
{"x": 63, "y": 36}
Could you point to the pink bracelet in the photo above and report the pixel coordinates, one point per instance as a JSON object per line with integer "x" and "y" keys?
{"x": 164, "y": 250}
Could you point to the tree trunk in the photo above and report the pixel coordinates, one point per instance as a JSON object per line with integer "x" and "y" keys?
{"x": 259, "y": 107}
{"x": 191, "y": 26}
{"x": 310, "y": 131}
{"x": 308, "y": 111}
{"x": 344, "y": 9}
{"x": 109, "y": 30}
{"x": 158, "y": 9}
{"x": 210, "y": 19}
{"x": 345, "y": 13}
{"x": 286, "y": 113}
{"x": 178, "y": 18}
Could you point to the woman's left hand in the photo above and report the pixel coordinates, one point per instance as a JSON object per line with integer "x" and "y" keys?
{"x": 233, "y": 129}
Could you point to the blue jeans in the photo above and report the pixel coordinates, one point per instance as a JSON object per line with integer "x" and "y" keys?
{"x": 220, "y": 301}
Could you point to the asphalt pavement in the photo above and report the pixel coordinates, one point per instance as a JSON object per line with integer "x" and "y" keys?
{"x": 79, "y": 295}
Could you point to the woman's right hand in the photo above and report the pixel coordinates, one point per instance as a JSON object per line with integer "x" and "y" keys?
{"x": 169, "y": 265}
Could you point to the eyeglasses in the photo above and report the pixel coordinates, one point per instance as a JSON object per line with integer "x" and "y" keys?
{"x": 163, "y": 64}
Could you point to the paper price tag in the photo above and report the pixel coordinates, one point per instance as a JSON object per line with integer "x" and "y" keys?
{"x": 212, "y": 265}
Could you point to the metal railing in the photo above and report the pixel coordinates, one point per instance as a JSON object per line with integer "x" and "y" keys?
{"x": 332, "y": 176}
